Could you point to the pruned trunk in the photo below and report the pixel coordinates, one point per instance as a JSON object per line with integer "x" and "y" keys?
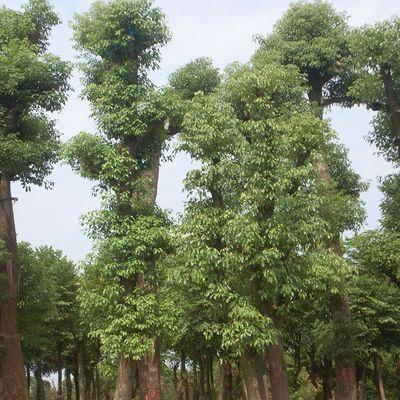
{"x": 13, "y": 383}
{"x": 378, "y": 377}
{"x": 40, "y": 393}
{"x": 226, "y": 381}
{"x": 125, "y": 379}
{"x": 149, "y": 368}
{"x": 254, "y": 372}
{"x": 68, "y": 383}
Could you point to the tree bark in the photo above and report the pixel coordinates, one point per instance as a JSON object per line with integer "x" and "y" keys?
{"x": 254, "y": 374}
{"x": 378, "y": 377}
{"x": 196, "y": 389}
{"x": 81, "y": 371}
{"x": 40, "y": 392}
{"x": 362, "y": 382}
{"x": 13, "y": 383}
{"x": 125, "y": 379}
{"x": 346, "y": 384}
{"x": 277, "y": 371}
{"x": 68, "y": 383}
{"x": 202, "y": 390}
{"x": 184, "y": 378}
{"x": 226, "y": 381}
{"x": 327, "y": 380}
{"x": 59, "y": 382}
{"x": 149, "y": 368}
{"x": 28, "y": 378}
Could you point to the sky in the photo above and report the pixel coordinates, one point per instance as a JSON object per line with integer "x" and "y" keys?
{"x": 220, "y": 29}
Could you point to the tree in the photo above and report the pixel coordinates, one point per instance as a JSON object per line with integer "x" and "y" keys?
{"x": 314, "y": 37}
{"x": 375, "y": 55}
{"x": 33, "y": 82}
{"x": 120, "y": 41}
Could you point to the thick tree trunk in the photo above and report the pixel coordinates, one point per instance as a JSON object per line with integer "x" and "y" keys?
{"x": 378, "y": 378}
{"x": 125, "y": 379}
{"x": 346, "y": 384}
{"x": 226, "y": 381}
{"x": 68, "y": 383}
{"x": 40, "y": 393}
{"x": 277, "y": 372}
{"x": 254, "y": 376}
{"x": 12, "y": 374}
{"x": 362, "y": 382}
{"x": 149, "y": 368}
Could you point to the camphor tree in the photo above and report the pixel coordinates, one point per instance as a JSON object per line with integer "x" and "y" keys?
{"x": 32, "y": 83}
{"x": 120, "y": 42}
{"x": 314, "y": 37}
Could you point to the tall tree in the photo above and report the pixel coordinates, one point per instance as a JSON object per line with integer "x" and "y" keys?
{"x": 32, "y": 83}
{"x": 314, "y": 37}
{"x": 120, "y": 42}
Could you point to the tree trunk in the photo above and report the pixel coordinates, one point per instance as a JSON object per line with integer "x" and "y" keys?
{"x": 60, "y": 386}
{"x": 202, "y": 389}
{"x": 149, "y": 368}
{"x": 297, "y": 362}
{"x": 76, "y": 379}
{"x": 125, "y": 378}
{"x": 277, "y": 372}
{"x": 28, "y": 378}
{"x": 378, "y": 377}
{"x": 97, "y": 384}
{"x": 40, "y": 393}
{"x": 226, "y": 383}
{"x": 254, "y": 373}
{"x": 12, "y": 373}
{"x": 346, "y": 385}
{"x": 68, "y": 383}
{"x": 81, "y": 371}
{"x": 327, "y": 381}
{"x": 184, "y": 378}
{"x": 196, "y": 388}
{"x": 362, "y": 383}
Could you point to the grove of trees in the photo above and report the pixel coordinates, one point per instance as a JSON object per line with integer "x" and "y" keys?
{"x": 267, "y": 287}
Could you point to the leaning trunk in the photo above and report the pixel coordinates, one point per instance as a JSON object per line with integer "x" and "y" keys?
{"x": 125, "y": 378}
{"x": 12, "y": 374}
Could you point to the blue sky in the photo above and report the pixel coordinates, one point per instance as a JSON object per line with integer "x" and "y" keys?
{"x": 222, "y": 30}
